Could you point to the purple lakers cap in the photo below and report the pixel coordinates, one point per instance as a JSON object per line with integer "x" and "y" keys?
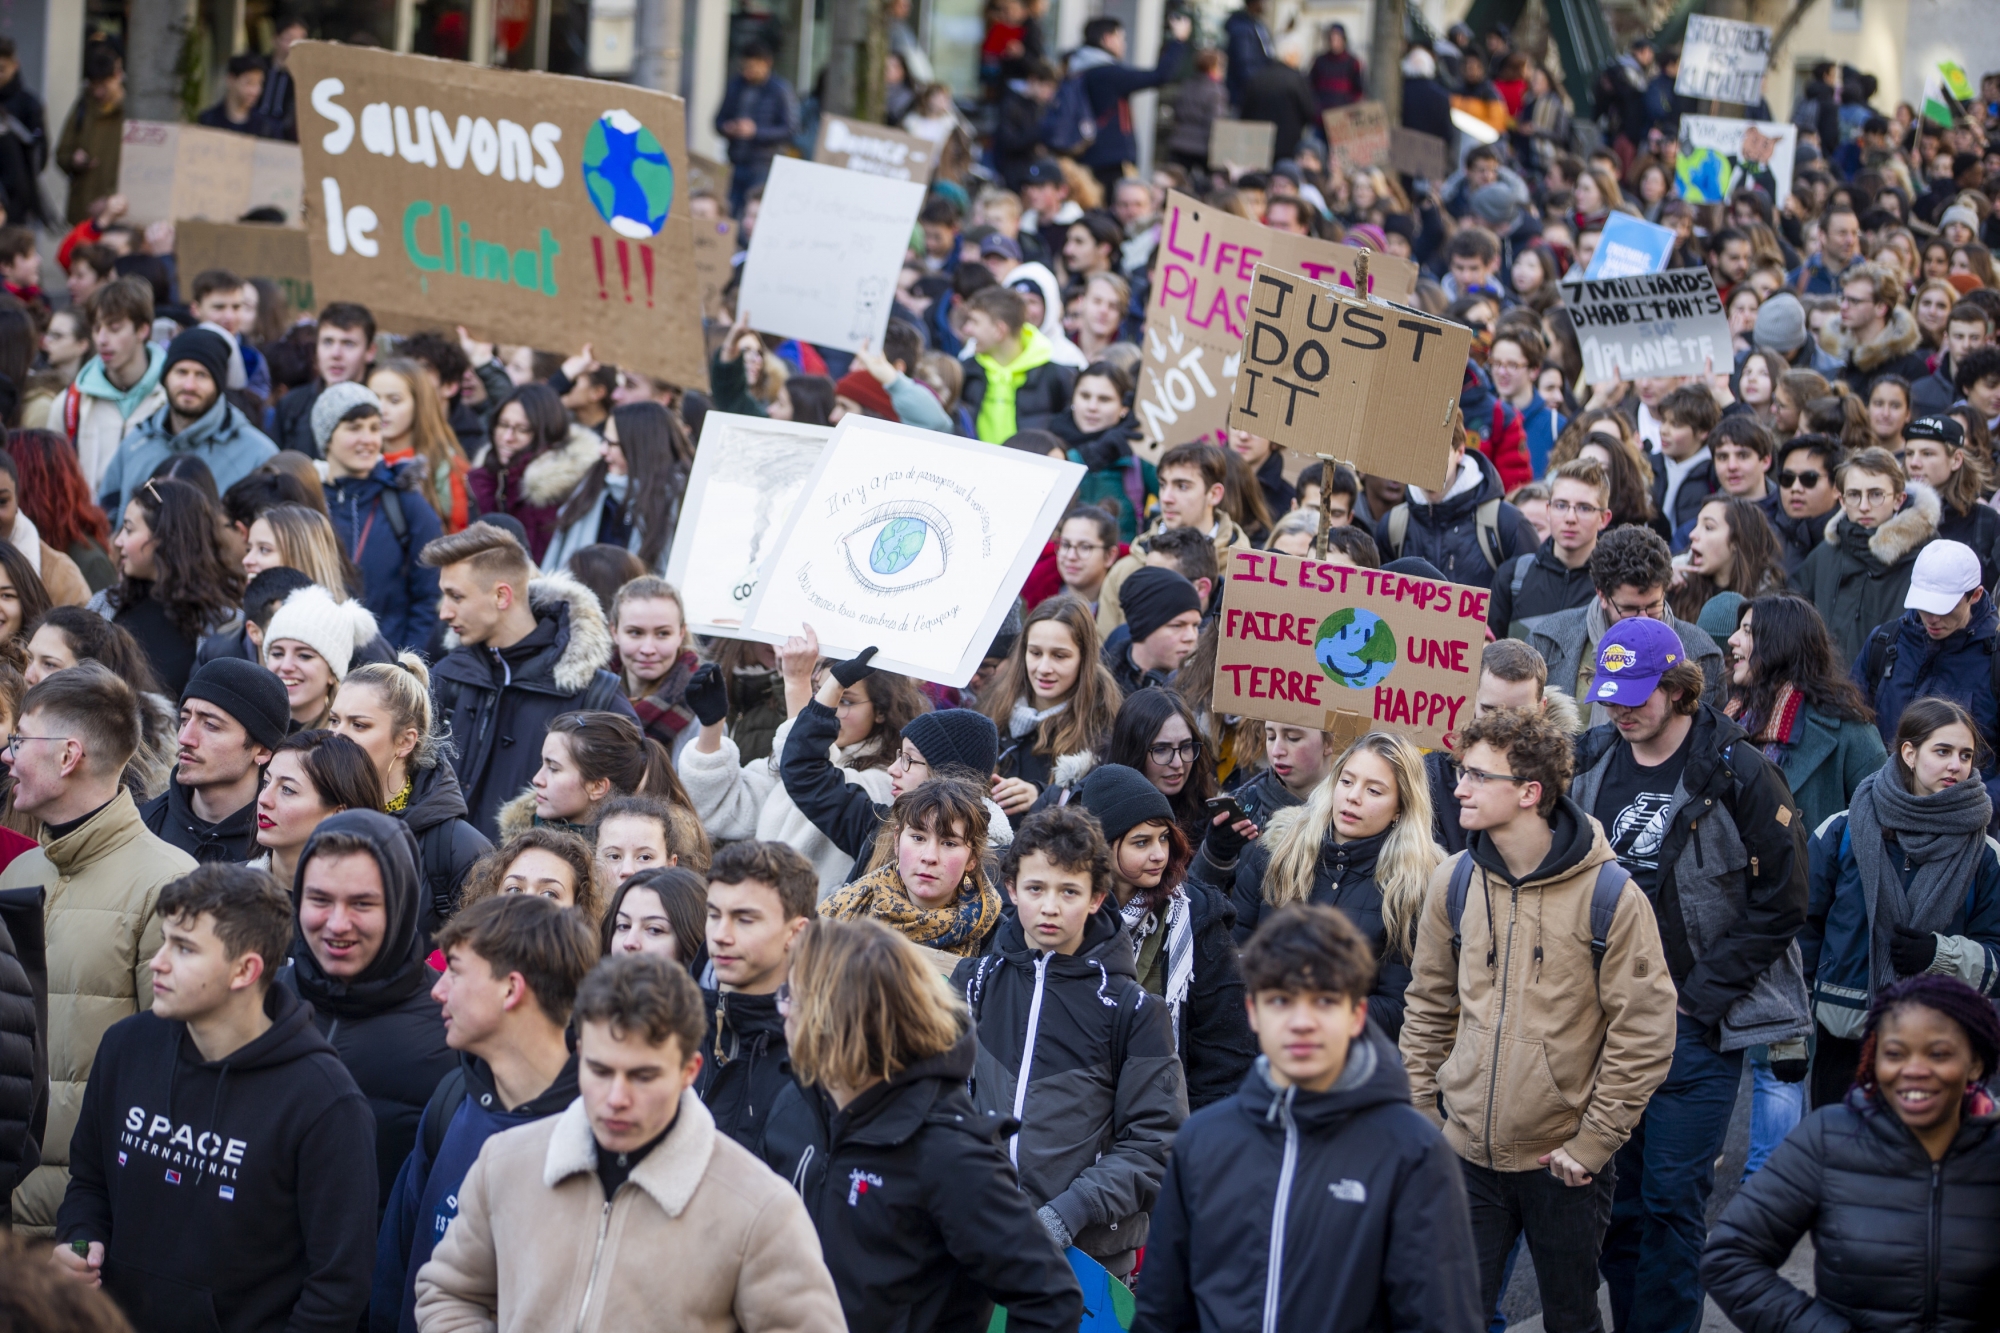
{"x": 1631, "y": 658}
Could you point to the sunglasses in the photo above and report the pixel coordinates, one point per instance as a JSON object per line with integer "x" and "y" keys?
{"x": 1788, "y": 479}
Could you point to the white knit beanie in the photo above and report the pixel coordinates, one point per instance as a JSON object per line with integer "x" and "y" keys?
{"x": 333, "y": 629}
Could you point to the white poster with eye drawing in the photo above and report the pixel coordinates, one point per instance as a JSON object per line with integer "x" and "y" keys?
{"x": 826, "y": 253}
{"x": 748, "y": 475}
{"x": 911, "y": 542}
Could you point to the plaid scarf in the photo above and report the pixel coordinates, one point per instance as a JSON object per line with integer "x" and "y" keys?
{"x": 962, "y": 928}
{"x": 664, "y": 713}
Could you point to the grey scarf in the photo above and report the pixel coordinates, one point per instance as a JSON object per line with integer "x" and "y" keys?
{"x": 1943, "y": 834}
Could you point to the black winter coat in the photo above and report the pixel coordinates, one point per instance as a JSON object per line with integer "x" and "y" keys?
{"x": 171, "y": 817}
{"x": 497, "y": 706}
{"x": 447, "y": 845}
{"x": 1696, "y": 488}
{"x": 745, "y": 1063}
{"x": 1280, "y": 94}
{"x": 920, "y": 1219}
{"x": 1370, "y": 1233}
{"x": 1858, "y": 579}
{"x": 1979, "y": 528}
{"x": 1211, "y": 1030}
{"x": 1446, "y": 532}
{"x": 842, "y": 810}
{"x": 24, "y": 1047}
{"x": 1899, "y": 1242}
{"x": 1344, "y": 878}
{"x": 1116, "y": 655}
{"x": 1547, "y": 586}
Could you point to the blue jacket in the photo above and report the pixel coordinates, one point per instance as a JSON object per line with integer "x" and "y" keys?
{"x": 1249, "y": 48}
{"x": 1107, "y": 84}
{"x": 400, "y": 590}
{"x": 1834, "y": 943}
{"x": 221, "y": 437}
{"x": 425, "y": 1196}
{"x": 1900, "y": 662}
{"x": 1542, "y": 425}
{"x": 774, "y": 107}
{"x": 1370, "y": 1231}
{"x": 1826, "y": 761}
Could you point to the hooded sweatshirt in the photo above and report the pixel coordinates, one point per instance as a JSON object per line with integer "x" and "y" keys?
{"x": 225, "y": 1191}
{"x": 384, "y": 1024}
{"x": 1062, "y": 351}
{"x": 171, "y": 817}
{"x": 96, "y": 414}
{"x": 221, "y": 437}
{"x": 1020, "y": 395}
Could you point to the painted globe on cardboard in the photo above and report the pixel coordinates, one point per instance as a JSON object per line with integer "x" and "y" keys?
{"x": 630, "y": 180}
{"x": 1355, "y": 648}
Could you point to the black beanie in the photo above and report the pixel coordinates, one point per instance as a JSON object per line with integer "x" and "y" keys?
{"x": 206, "y": 348}
{"x": 1122, "y": 799}
{"x": 956, "y": 736}
{"x": 1152, "y": 596}
{"x": 248, "y": 693}
{"x": 1416, "y": 567}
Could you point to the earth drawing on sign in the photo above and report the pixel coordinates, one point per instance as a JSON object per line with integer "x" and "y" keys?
{"x": 630, "y": 179}
{"x": 1355, "y": 648}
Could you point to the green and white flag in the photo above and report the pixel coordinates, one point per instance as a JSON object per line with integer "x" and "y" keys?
{"x": 1936, "y": 107}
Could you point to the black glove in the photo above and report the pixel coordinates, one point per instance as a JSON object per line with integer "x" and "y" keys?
{"x": 708, "y": 695}
{"x": 1224, "y": 844}
{"x": 1912, "y": 951}
{"x": 855, "y": 668}
{"x": 1789, "y": 1071}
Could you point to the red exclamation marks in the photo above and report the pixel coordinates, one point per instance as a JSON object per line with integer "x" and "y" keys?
{"x": 597, "y": 249}
{"x": 646, "y": 263}
{"x": 625, "y": 269}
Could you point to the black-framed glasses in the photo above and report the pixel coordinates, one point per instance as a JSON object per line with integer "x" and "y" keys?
{"x": 1163, "y": 752}
{"x": 1479, "y": 777}
{"x": 1808, "y": 479}
{"x": 1080, "y": 548}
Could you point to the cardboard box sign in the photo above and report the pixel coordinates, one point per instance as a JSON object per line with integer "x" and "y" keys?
{"x": 1371, "y": 382}
{"x": 1348, "y": 650}
{"x": 249, "y": 250}
{"x": 714, "y": 250}
{"x": 1200, "y": 309}
{"x": 168, "y": 171}
{"x": 532, "y": 208}
{"x": 1359, "y": 134}
{"x": 1243, "y": 144}
{"x": 1667, "y": 323}
{"x": 875, "y": 149}
{"x": 1417, "y": 154}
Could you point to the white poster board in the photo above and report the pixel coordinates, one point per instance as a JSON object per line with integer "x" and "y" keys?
{"x": 748, "y": 475}
{"x": 828, "y": 247}
{"x": 1654, "y": 324}
{"x": 911, "y": 542}
{"x": 1718, "y": 156}
{"x": 1724, "y": 60}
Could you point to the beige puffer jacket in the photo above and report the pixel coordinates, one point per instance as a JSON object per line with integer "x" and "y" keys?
{"x": 103, "y": 881}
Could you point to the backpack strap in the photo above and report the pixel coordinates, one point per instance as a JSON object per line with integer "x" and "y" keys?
{"x": 1520, "y": 579}
{"x": 435, "y": 846}
{"x": 440, "y": 1109}
{"x": 1455, "y": 893}
{"x": 1399, "y": 527}
{"x": 1486, "y": 524}
{"x": 398, "y": 521}
{"x": 603, "y": 691}
{"x": 1611, "y": 881}
{"x": 1880, "y": 656}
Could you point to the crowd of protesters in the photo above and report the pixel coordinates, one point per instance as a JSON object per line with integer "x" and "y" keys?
{"x": 369, "y": 801}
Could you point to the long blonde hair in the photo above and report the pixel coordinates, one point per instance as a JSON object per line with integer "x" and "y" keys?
{"x": 865, "y": 1005}
{"x": 1408, "y": 856}
{"x": 307, "y": 543}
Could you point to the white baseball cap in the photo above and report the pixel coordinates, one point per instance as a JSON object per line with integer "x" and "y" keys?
{"x": 1945, "y": 572}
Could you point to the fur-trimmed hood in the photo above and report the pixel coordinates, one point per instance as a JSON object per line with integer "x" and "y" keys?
{"x": 1071, "y": 769}
{"x": 1906, "y": 529}
{"x": 588, "y": 648}
{"x": 152, "y": 765}
{"x": 551, "y": 478}
{"x": 1897, "y": 339}
{"x": 1562, "y": 711}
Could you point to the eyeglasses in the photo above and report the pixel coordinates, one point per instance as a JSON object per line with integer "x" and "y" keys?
{"x": 1808, "y": 479}
{"x": 1079, "y": 548}
{"x": 1565, "y": 508}
{"x": 1164, "y": 753}
{"x": 1495, "y": 363}
{"x": 907, "y": 761}
{"x": 1871, "y": 497}
{"x": 1479, "y": 777}
{"x": 14, "y": 741}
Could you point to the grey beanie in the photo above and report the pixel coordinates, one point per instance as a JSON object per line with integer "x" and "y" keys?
{"x": 1496, "y": 206}
{"x": 1963, "y": 214}
{"x": 335, "y": 401}
{"x": 1781, "y": 324}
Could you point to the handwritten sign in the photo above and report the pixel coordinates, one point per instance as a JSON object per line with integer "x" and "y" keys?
{"x": 1348, "y": 650}
{"x": 1718, "y": 156}
{"x": 533, "y": 208}
{"x": 1358, "y": 135}
{"x": 1199, "y": 311}
{"x": 1369, "y": 381}
{"x": 714, "y": 252}
{"x": 1724, "y": 60}
{"x": 875, "y": 149}
{"x": 1656, "y": 324}
{"x": 249, "y": 250}
{"x": 1242, "y": 145}
{"x": 167, "y": 172}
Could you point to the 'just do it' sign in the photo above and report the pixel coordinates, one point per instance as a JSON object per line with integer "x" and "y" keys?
{"x": 1348, "y": 650}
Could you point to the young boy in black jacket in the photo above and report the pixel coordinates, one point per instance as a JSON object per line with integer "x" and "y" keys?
{"x": 1317, "y": 1188}
{"x": 222, "y": 1170}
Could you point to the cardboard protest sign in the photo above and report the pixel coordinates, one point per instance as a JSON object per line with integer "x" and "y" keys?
{"x": 1199, "y": 310}
{"x": 167, "y": 172}
{"x": 875, "y": 149}
{"x": 565, "y": 227}
{"x": 1348, "y": 650}
{"x": 824, "y": 258}
{"x": 1242, "y": 144}
{"x": 910, "y": 541}
{"x": 249, "y": 250}
{"x": 1630, "y": 245}
{"x": 1719, "y": 156}
{"x": 1415, "y": 153}
{"x": 1657, "y": 324}
{"x": 1368, "y": 381}
{"x": 1358, "y": 135}
{"x": 705, "y": 173}
{"x": 714, "y": 250}
{"x": 1724, "y": 60}
{"x": 748, "y": 475}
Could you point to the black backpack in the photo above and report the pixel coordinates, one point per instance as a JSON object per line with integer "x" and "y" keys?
{"x": 1879, "y": 661}
{"x": 1611, "y": 881}
{"x": 439, "y": 1110}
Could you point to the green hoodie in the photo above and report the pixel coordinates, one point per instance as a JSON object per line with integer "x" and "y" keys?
{"x": 93, "y": 380}
{"x": 996, "y": 411}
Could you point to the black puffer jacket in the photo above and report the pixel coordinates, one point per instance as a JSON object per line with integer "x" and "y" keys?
{"x": 1446, "y": 532}
{"x": 1343, "y": 878}
{"x": 745, "y": 1063}
{"x": 24, "y": 1047}
{"x": 919, "y": 1217}
{"x": 1547, "y": 585}
{"x": 447, "y": 844}
{"x": 1899, "y": 1242}
{"x": 1104, "y": 1093}
{"x": 1211, "y": 1029}
{"x": 171, "y": 817}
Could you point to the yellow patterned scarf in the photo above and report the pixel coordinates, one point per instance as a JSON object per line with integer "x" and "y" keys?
{"x": 962, "y": 928}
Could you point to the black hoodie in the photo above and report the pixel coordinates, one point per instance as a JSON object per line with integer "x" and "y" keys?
{"x": 744, "y": 1063}
{"x": 447, "y": 843}
{"x": 919, "y": 1217}
{"x": 171, "y": 817}
{"x": 1338, "y": 1210}
{"x": 231, "y": 1194}
{"x": 388, "y": 1030}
